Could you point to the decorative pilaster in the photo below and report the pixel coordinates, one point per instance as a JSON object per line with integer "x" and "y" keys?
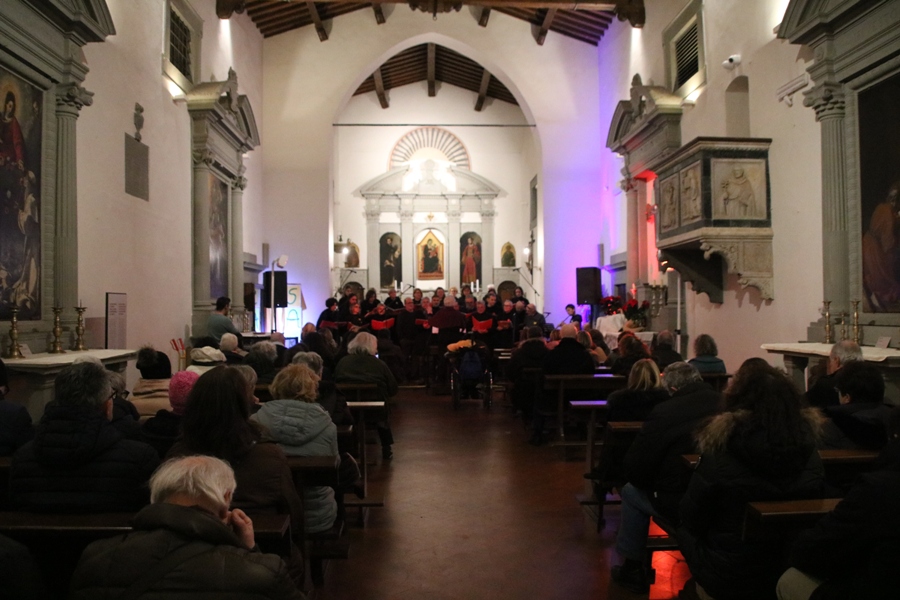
{"x": 408, "y": 241}
{"x": 454, "y": 272}
{"x": 238, "y": 184}
{"x": 373, "y": 244}
{"x": 487, "y": 243}
{"x": 632, "y": 224}
{"x": 70, "y": 99}
{"x": 203, "y": 169}
{"x": 827, "y": 99}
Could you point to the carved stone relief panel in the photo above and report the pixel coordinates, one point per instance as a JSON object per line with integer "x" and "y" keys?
{"x": 738, "y": 189}
{"x": 691, "y": 203}
{"x": 668, "y": 203}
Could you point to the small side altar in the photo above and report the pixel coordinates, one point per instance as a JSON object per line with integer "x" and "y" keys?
{"x": 31, "y": 379}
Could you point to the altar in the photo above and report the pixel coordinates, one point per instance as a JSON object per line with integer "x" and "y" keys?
{"x": 31, "y": 379}
{"x": 797, "y": 355}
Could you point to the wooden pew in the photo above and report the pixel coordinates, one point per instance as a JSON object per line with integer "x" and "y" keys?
{"x": 718, "y": 381}
{"x": 861, "y": 459}
{"x": 362, "y": 398}
{"x": 598, "y": 385}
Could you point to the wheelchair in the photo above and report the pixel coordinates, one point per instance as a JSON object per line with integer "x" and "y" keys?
{"x": 468, "y": 381}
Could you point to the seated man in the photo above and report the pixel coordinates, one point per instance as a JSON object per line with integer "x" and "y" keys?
{"x": 664, "y": 353}
{"x": 656, "y": 477}
{"x": 821, "y": 393}
{"x": 15, "y": 422}
{"x": 219, "y": 322}
{"x": 860, "y": 421}
{"x": 533, "y": 318}
{"x": 187, "y": 543}
{"x": 79, "y": 462}
{"x": 529, "y": 355}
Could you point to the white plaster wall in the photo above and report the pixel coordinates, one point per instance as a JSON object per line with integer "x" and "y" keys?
{"x": 498, "y": 140}
{"x": 307, "y": 83}
{"x": 743, "y": 321}
{"x": 126, "y": 244}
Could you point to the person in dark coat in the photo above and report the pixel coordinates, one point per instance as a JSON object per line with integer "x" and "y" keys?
{"x": 821, "y": 391}
{"x": 643, "y": 392}
{"x": 630, "y": 351}
{"x": 330, "y": 314}
{"x": 164, "y": 429}
{"x": 15, "y": 422}
{"x": 657, "y": 479}
{"x": 860, "y": 420}
{"x": 20, "y": 578}
{"x": 529, "y": 355}
{"x": 663, "y": 351}
{"x": 706, "y": 355}
{"x": 854, "y": 550}
{"x": 763, "y": 448}
{"x": 79, "y": 462}
{"x": 206, "y": 549}
{"x": 263, "y": 358}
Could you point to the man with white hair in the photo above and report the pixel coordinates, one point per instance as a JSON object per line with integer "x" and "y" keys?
{"x": 186, "y": 544}
{"x": 822, "y": 393}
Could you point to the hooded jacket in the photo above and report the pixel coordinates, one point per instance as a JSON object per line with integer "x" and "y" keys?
{"x": 223, "y": 569}
{"x": 856, "y": 425}
{"x": 739, "y": 464}
{"x": 305, "y": 429}
{"x": 79, "y": 462}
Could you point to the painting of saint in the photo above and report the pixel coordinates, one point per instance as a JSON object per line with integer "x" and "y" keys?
{"x": 879, "y": 164}
{"x": 430, "y": 254}
{"x": 470, "y": 257}
{"x": 218, "y": 237}
{"x": 20, "y": 197}
{"x": 391, "y": 258}
{"x": 508, "y": 255}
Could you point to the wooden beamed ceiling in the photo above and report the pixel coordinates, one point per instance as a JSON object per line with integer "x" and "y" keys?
{"x": 584, "y": 21}
{"x": 430, "y": 62}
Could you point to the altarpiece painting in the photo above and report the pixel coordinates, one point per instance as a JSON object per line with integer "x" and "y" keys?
{"x": 20, "y": 197}
{"x": 430, "y": 257}
{"x": 218, "y": 237}
{"x": 470, "y": 257}
{"x": 391, "y": 259}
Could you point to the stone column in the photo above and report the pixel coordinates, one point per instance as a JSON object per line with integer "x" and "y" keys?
{"x": 203, "y": 160}
{"x": 641, "y": 230}
{"x": 827, "y": 99}
{"x": 487, "y": 246}
{"x": 238, "y": 185}
{"x": 451, "y": 256}
{"x": 70, "y": 98}
{"x": 409, "y": 247}
{"x": 632, "y": 268}
{"x": 373, "y": 245}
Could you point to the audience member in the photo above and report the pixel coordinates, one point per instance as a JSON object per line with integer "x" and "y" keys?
{"x": 219, "y": 322}
{"x": 79, "y": 462}
{"x": 860, "y": 420}
{"x": 151, "y": 392}
{"x": 250, "y": 380}
{"x": 706, "y": 355}
{"x": 854, "y": 550}
{"x": 663, "y": 351}
{"x": 822, "y": 393}
{"x": 162, "y": 430}
{"x": 656, "y": 477}
{"x": 763, "y": 448}
{"x": 529, "y": 355}
{"x": 125, "y": 416}
{"x": 15, "y": 422}
{"x": 599, "y": 342}
{"x": 642, "y": 393}
{"x": 263, "y": 358}
{"x": 362, "y": 366}
{"x": 228, "y": 346}
{"x": 390, "y": 353}
{"x": 301, "y": 427}
{"x": 205, "y": 358}
{"x": 631, "y": 350}
{"x": 333, "y": 403}
{"x": 186, "y": 544}
{"x": 584, "y": 338}
{"x": 20, "y": 577}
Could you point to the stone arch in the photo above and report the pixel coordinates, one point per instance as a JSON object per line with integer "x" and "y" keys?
{"x": 430, "y": 137}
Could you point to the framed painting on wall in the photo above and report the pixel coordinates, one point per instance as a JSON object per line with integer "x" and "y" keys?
{"x": 218, "y": 237}
{"x": 470, "y": 257}
{"x": 430, "y": 257}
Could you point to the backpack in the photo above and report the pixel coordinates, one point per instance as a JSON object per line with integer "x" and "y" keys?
{"x": 470, "y": 368}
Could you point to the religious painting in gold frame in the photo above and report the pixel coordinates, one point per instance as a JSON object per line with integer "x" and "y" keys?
{"x": 430, "y": 257}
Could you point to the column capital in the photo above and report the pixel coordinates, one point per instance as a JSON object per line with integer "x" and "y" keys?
{"x": 239, "y": 183}
{"x": 73, "y": 97}
{"x": 203, "y": 156}
{"x": 827, "y": 99}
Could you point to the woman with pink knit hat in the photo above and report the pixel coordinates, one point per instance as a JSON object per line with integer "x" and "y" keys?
{"x": 162, "y": 430}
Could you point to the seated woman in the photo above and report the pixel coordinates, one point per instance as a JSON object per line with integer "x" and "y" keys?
{"x": 333, "y": 403}
{"x": 643, "y": 392}
{"x": 162, "y": 430}
{"x": 630, "y": 351}
{"x": 262, "y": 358}
{"x": 301, "y": 427}
{"x": 860, "y": 420}
{"x": 229, "y": 346}
{"x": 362, "y": 366}
{"x": 584, "y": 338}
{"x": 762, "y": 448}
{"x": 706, "y": 355}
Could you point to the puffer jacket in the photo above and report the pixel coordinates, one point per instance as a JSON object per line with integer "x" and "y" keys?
{"x": 738, "y": 464}
{"x": 79, "y": 462}
{"x": 225, "y": 570}
{"x": 857, "y": 425}
{"x": 304, "y": 429}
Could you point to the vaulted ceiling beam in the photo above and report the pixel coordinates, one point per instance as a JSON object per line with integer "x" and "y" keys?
{"x": 379, "y": 88}
{"x": 482, "y": 91}
{"x": 432, "y": 91}
{"x": 545, "y": 26}
{"x": 317, "y": 21}
{"x": 485, "y": 15}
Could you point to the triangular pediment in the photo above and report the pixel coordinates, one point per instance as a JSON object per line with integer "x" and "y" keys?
{"x": 88, "y": 20}
{"x": 804, "y": 19}
{"x": 429, "y": 179}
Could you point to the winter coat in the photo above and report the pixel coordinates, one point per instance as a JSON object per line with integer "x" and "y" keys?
{"x": 304, "y": 429}
{"x": 738, "y": 464}
{"x": 654, "y": 462}
{"x": 161, "y": 431}
{"x": 224, "y": 569}
{"x": 15, "y": 427}
{"x": 568, "y": 358}
{"x": 634, "y": 405}
{"x": 708, "y": 364}
{"x": 365, "y": 368}
{"x": 79, "y": 462}
{"x": 665, "y": 355}
{"x": 851, "y": 547}
{"x": 858, "y": 425}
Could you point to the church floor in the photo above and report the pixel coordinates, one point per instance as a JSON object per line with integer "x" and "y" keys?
{"x": 473, "y": 511}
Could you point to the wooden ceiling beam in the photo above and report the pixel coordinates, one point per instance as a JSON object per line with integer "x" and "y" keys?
{"x": 432, "y": 91}
{"x": 586, "y": 5}
{"x": 482, "y": 92}
{"x": 379, "y": 13}
{"x": 379, "y": 89}
{"x": 291, "y": 11}
{"x": 317, "y": 21}
{"x": 545, "y": 26}
{"x": 485, "y": 15}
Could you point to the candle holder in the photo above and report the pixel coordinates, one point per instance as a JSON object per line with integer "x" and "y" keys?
{"x": 56, "y": 344}
{"x": 14, "y": 351}
{"x": 657, "y": 299}
{"x": 79, "y": 329}
{"x": 829, "y": 331}
{"x": 855, "y": 304}
{"x": 842, "y": 321}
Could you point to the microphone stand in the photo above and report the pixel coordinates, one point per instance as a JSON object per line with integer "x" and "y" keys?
{"x": 536, "y": 293}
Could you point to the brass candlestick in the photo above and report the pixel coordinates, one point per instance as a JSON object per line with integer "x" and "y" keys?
{"x": 855, "y": 304}
{"x": 829, "y": 331}
{"x": 842, "y": 321}
{"x": 56, "y": 344}
{"x": 79, "y": 329}
{"x": 14, "y": 351}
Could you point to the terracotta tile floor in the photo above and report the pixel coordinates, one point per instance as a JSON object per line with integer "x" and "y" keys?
{"x": 472, "y": 511}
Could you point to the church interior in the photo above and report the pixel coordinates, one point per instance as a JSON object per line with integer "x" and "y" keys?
{"x": 731, "y": 165}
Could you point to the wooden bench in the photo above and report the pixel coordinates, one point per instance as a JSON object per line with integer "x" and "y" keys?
{"x": 598, "y": 385}
{"x": 361, "y": 399}
{"x": 617, "y": 438}
{"x": 830, "y": 458}
{"x": 718, "y": 381}
{"x": 783, "y": 519}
